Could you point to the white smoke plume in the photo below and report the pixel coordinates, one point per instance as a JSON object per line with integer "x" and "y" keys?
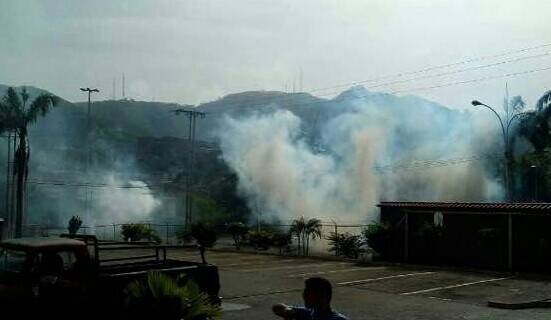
{"x": 126, "y": 201}
{"x": 283, "y": 176}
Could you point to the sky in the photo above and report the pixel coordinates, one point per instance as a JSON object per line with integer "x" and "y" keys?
{"x": 195, "y": 51}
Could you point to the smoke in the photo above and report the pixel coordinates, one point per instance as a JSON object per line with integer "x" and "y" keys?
{"x": 61, "y": 185}
{"x": 125, "y": 201}
{"x": 284, "y": 175}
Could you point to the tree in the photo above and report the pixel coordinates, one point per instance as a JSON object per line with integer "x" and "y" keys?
{"x": 535, "y": 127}
{"x": 305, "y": 229}
{"x": 16, "y": 114}
{"x": 204, "y": 233}
{"x": 74, "y": 225}
{"x": 238, "y": 230}
{"x": 312, "y": 230}
{"x": 261, "y": 239}
{"x": 137, "y": 231}
{"x": 345, "y": 244}
{"x": 281, "y": 240}
{"x": 298, "y": 226}
{"x": 379, "y": 237}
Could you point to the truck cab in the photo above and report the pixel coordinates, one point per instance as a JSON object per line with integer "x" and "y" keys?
{"x": 67, "y": 272}
{"x": 30, "y": 269}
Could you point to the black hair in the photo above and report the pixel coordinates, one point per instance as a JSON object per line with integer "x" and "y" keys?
{"x": 321, "y": 286}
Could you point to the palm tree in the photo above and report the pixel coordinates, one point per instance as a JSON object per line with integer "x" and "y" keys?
{"x": 312, "y": 230}
{"x": 16, "y": 114}
{"x": 297, "y": 228}
{"x": 544, "y": 101}
{"x": 535, "y": 126}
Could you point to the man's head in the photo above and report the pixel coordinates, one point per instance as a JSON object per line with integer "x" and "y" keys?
{"x": 317, "y": 293}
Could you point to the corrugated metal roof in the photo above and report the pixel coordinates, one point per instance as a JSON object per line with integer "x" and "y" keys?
{"x": 471, "y": 206}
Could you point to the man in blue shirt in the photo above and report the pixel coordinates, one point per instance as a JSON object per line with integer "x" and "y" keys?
{"x": 317, "y": 303}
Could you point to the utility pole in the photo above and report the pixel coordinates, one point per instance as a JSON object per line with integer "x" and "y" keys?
{"x": 192, "y": 117}
{"x": 10, "y": 220}
{"x": 88, "y": 143}
{"x": 88, "y": 122}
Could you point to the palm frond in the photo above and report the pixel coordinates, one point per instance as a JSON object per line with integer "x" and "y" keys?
{"x": 12, "y": 99}
{"x": 11, "y": 111}
{"x": 161, "y": 296}
{"x": 40, "y": 106}
{"x": 544, "y": 101}
{"x": 517, "y": 103}
{"x": 24, "y": 96}
{"x": 313, "y": 227}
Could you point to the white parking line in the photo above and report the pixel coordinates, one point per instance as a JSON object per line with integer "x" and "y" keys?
{"x": 248, "y": 263}
{"x": 300, "y": 275}
{"x": 384, "y": 278}
{"x": 453, "y": 286}
{"x": 297, "y": 266}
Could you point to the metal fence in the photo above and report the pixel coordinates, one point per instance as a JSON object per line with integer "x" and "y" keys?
{"x": 169, "y": 232}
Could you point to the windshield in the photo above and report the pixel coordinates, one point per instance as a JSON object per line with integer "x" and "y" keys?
{"x": 12, "y": 260}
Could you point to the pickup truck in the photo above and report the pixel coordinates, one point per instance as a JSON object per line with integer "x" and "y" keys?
{"x": 86, "y": 284}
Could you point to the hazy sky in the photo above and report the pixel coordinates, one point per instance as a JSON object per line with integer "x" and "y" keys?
{"x": 198, "y": 50}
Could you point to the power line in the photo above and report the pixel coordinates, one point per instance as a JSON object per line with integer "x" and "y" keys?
{"x": 424, "y": 70}
{"x": 508, "y": 75}
{"x": 431, "y": 68}
{"x": 462, "y": 70}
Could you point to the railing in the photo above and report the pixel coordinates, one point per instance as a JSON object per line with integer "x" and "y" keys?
{"x": 169, "y": 232}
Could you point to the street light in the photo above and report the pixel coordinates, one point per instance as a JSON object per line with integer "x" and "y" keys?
{"x": 505, "y": 125}
{"x": 535, "y": 182}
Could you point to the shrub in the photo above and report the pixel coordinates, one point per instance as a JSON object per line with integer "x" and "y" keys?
{"x": 238, "y": 231}
{"x": 378, "y": 236}
{"x": 260, "y": 239}
{"x": 205, "y": 234}
{"x": 345, "y": 244}
{"x": 74, "y": 225}
{"x": 281, "y": 240}
{"x": 161, "y": 297}
{"x": 136, "y": 232}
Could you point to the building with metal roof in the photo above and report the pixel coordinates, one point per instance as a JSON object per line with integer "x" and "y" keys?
{"x": 514, "y": 236}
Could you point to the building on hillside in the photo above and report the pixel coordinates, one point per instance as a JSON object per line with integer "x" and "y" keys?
{"x": 512, "y": 236}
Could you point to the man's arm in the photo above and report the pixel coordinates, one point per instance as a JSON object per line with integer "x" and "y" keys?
{"x": 284, "y": 311}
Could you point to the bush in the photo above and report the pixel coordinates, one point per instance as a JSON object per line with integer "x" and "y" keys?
{"x": 281, "y": 240}
{"x": 378, "y": 236}
{"x": 74, "y": 225}
{"x": 260, "y": 239}
{"x": 161, "y": 297}
{"x": 205, "y": 234}
{"x": 345, "y": 244}
{"x": 238, "y": 231}
{"x": 136, "y": 232}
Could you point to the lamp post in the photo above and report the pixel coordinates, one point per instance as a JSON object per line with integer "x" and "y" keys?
{"x": 535, "y": 168}
{"x": 505, "y": 126}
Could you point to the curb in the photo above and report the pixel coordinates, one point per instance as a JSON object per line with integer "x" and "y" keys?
{"x": 545, "y": 303}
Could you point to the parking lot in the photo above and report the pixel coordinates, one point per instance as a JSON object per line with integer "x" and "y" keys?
{"x": 251, "y": 283}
